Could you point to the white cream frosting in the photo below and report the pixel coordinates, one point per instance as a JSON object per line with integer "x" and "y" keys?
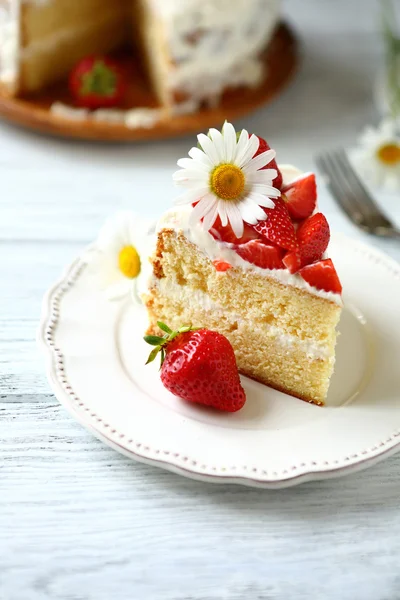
{"x": 178, "y": 218}
{"x": 198, "y": 299}
{"x": 216, "y": 44}
{"x": 212, "y": 44}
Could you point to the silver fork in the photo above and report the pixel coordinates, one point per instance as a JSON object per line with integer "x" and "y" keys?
{"x": 352, "y": 195}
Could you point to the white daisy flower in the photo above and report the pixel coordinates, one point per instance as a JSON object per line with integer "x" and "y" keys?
{"x": 118, "y": 260}
{"x": 224, "y": 179}
{"x": 377, "y": 156}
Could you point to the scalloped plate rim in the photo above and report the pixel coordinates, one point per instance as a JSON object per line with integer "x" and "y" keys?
{"x": 382, "y": 451}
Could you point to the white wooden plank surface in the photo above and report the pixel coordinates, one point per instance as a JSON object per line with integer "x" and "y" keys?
{"x": 78, "y": 521}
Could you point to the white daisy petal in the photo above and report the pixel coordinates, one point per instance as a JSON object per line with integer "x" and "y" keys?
{"x": 229, "y": 136}
{"x": 202, "y": 208}
{"x": 210, "y": 217}
{"x": 251, "y": 213}
{"x": 199, "y": 156}
{"x": 262, "y": 176}
{"x": 185, "y": 175}
{"x": 241, "y": 147}
{"x": 261, "y": 200}
{"x": 219, "y": 144}
{"x": 222, "y": 212}
{"x": 192, "y": 165}
{"x": 259, "y": 162}
{"x": 264, "y": 189}
{"x": 208, "y": 148}
{"x": 250, "y": 151}
{"x": 235, "y": 219}
{"x": 269, "y": 190}
{"x": 119, "y": 289}
{"x": 191, "y": 196}
{"x": 258, "y": 212}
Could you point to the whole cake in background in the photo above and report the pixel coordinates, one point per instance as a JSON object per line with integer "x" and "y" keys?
{"x": 244, "y": 253}
{"x": 193, "y": 50}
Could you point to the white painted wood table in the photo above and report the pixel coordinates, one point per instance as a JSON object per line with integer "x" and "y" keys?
{"x": 80, "y": 522}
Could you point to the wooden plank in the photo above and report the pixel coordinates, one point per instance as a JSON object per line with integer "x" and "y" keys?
{"x": 80, "y": 521}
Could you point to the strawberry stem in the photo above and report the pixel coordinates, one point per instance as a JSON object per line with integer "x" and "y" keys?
{"x": 160, "y": 343}
{"x": 99, "y": 80}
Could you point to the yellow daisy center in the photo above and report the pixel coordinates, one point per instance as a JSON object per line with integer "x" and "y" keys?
{"x": 129, "y": 262}
{"x": 389, "y": 154}
{"x": 227, "y": 181}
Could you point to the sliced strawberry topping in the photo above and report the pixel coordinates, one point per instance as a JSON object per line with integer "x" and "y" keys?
{"x": 226, "y": 234}
{"x": 278, "y": 227}
{"x": 323, "y": 276}
{"x": 292, "y": 261}
{"x": 313, "y": 237}
{"x": 221, "y": 266}
{"x": 261, "y": 255}
{"x": 301, "y": 196}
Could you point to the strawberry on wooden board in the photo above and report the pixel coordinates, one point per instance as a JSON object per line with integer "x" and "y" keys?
{"x": 301, "y": 196}
{"x": 97, "y": 82}
{"x": 199, "y": 366}
{"x": 313, "y": 238}
{"x": 322, "y": 275}
{"x": 263, "y": 147}
{"x": 261, "y": 255}
{"x": 278, "y": 227}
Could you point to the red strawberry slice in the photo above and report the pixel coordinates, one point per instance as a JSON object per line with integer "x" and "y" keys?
{"x": 292, "y": 261}
{"x": 278, "y": 227}
{"x": 261, "y": 255}
{"x": 226, "y": 234}
{"x": 221, "y": 266}
{"x": 263, "y": 147}
{"x": 322, "y": 275}
{"x": 301, "y": 196}
{"x": 313, "y": 237}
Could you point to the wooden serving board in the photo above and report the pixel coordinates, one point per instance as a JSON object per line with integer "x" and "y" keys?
{"x": 281, "y": 61}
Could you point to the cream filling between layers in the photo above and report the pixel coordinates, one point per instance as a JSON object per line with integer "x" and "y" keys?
{"x": 178, "y": 219}
{"x": 196, "y": 299}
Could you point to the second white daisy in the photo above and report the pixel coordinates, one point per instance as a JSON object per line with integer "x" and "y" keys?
{"x": 225, "y": 180}
{"x": 377, "y": 156}
{"x": 118, "y": 260}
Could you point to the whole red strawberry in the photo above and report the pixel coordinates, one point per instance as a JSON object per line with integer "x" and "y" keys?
{"x": 263, "y": 147}
{"x": 278, "y": 227}
{"x": 199, "y": 366}
{"x": 97, "y": 82}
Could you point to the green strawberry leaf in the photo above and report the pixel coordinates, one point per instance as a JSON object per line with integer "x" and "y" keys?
{"x": 154, "y": 340}
{"x": 152, "y": 355}
{"x": 164, "y": 327}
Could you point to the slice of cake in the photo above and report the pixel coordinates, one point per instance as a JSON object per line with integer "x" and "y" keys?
{"x": 192, "y": 50}
{"x": 244, "y": 253}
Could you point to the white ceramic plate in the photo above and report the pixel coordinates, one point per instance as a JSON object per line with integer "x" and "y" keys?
{"x": 95, "y": 359}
